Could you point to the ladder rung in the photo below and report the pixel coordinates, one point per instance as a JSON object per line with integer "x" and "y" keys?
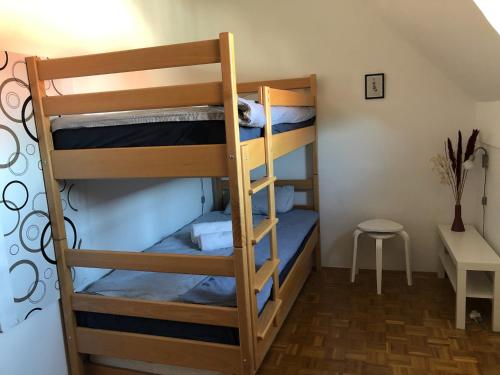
{"x": 264, "y": 273}
{"x": 267, "y": 318}
{"x": 262, "y": 229}
{"x": 260, "y": 184}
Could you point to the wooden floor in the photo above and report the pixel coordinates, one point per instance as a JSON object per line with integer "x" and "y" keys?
{"x": 341, "y": 328}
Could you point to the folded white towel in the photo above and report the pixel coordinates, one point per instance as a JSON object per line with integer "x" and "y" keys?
{"x": 215, "y": 241}
{"x": 209, "y": 227}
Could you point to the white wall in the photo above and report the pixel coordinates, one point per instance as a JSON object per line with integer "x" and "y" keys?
{"x": 7, "y": 313}
{"x": 488, "y": 121}
{"x": 115, "y": 218}
{"x": 35, "y": 347}
{"x": 374, "y": 155}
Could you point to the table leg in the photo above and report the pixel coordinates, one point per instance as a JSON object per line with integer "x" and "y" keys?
{"x": 378, "y": 256}
{"x": 461, "y": 297}
{"x": 440, "y": 270}
{"x": 354, "y": 269}
{"x": 495, "y": 315}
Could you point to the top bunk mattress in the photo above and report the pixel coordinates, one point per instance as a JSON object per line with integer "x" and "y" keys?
{"x": 169, "y": 127}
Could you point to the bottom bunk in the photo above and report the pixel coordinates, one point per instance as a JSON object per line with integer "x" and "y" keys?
{"x": 297, "y": 236}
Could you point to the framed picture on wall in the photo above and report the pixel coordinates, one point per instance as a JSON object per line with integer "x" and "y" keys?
{"x": 375, "y": 86}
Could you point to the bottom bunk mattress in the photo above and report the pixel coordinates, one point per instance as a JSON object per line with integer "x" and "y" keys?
{"x": 293, "y": 230}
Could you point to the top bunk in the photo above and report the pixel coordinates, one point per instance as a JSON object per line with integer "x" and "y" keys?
{"x": 190, "y": 130}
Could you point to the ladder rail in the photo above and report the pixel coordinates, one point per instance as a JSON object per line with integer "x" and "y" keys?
{"x": 247, "y": 210}
{"x": 265, "y": 100}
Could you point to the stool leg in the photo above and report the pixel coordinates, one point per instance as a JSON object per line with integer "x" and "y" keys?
{"x": 406, "y": 238}
{"x": 378, "y": 249}
{"x": 357, "y": 232}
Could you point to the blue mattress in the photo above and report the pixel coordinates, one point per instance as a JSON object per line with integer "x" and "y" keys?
{"x": 293, "y": 231}
{"x": 178, "y": 133}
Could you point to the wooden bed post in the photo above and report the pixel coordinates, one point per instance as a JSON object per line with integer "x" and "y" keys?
{"x": 314, "y": 92}
{"x": 230, "y": 96}
{"x": 217, "y": 194}
{"x": 42, "y": 122}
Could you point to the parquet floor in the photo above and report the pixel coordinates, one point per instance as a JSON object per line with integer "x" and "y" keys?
{"x": 337, "y": 327}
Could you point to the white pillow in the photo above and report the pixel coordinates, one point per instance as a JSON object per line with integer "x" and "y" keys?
{"x": 284, "y": 197}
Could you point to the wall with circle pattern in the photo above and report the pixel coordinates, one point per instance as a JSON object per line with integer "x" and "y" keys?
{"x": 26, "y": 250}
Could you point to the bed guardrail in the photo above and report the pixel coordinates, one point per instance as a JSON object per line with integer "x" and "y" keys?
{"x": 175, "y": 352}
{"x": 174, "y": 55}
{"x": 151, "y": 262}
{"x": 135, "y": 99}
{"x": 176, "y": 311}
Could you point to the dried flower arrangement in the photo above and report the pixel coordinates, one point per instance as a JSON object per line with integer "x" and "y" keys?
{"x": 453, "y": 167}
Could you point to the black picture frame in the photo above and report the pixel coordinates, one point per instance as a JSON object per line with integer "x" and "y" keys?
{"x": 369, "y": 95}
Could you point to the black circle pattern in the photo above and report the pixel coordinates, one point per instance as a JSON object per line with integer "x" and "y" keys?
{"x": 6, "y": 62}
{"x": 6, "y": 202}
{"x": 18, "y": 147}
{"x": 35, "y": 283}
{"x": 25, "y": 223}
{"x": 31, "y": 312}
{"x": 44, "y": 231}
{"x": 2, "y": 108}
{"x": 21, "y": 231}
{"x": 17, "y": 222}
{"x": 25, "y": 121}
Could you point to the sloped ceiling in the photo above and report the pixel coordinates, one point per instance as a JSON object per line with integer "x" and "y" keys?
{"x": 455, "y": 36}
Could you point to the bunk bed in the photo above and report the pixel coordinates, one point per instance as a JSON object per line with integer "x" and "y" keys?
{"x": 264, "y": 287}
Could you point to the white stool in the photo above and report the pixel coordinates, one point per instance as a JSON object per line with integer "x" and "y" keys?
{"x": 380, "y": 230}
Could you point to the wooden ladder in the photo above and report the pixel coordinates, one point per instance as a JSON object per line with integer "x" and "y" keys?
{"x": 258, "y": 279}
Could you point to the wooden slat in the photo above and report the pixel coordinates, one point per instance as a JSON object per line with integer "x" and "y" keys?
{"x": 57, "y": 222}
{"x": 167, "y": 161}
{"x": 264, "y": 98}
{"x": 217, "y": 194}
{"x": 290, "y": 282}
{"x": 289, "y": 98}
{"x": 283, "y": 84}
{"x": 260, "y": 184}
{"x": 267, "y": 318}
{"x": 289, "y": 291}
{"x": 140, "y": 162}
{"x": 262, "y": 229}
{"x": 195, "y": 53}
{"x": 176, "y": 311}
{"x": 289, "y": 141}
{"x": 98, "y": 369}
{"x": 264, "y": 273}
{"x": 236, "y": 188}
{"x": 282, "y": 144}
{"x": 136, "y": 99}
{"x": 250, "y": 253}
{"x": 152, "y": 262}
{"x": 170, "y": 351}
{"x": 299, "y": 185}
{"x": 314, "y": 92}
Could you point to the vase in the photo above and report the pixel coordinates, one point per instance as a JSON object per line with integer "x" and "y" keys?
{"x": 458, "y": 224}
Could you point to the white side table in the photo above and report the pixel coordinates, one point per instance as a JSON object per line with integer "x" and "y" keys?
{"x": 465, "y": 258}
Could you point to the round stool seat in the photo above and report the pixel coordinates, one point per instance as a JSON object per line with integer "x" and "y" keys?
{"x": 380, "y": 226}
{"x": 381, "y": 236}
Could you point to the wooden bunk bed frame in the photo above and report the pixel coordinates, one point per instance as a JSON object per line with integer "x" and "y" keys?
{"x": 234, "y": 160}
